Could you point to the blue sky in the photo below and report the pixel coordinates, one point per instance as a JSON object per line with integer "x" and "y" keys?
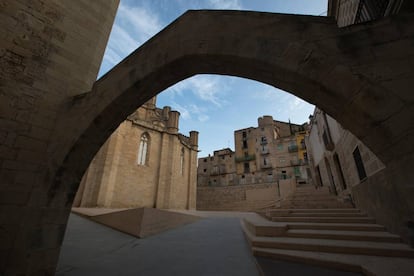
{"x": 211, "y": 104}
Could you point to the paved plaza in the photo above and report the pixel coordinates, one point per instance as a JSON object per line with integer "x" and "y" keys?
{"x": 210, "y": 246}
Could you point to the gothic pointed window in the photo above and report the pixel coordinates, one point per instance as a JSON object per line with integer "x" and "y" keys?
{"x": 143, "y": 149}
{"x": 182, "y": 160}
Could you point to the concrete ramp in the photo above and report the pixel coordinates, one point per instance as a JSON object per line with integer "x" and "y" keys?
{"x": 138, "y": 222}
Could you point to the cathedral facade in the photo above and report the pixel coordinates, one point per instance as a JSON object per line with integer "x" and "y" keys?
{"x": 145, "y": 163}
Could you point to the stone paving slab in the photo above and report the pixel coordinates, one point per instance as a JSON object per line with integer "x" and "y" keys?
{"x": 211, "y": 246}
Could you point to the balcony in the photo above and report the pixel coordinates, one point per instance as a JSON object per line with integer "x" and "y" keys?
{"x": 246, "y": 158}
{"x": 292, "y": 148}
{"x": 264, "y": 152}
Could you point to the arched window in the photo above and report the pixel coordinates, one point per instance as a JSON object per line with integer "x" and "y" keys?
{"x": 143, "y": 149}
{"x": 182, "y": 160}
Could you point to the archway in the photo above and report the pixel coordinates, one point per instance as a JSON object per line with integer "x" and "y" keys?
{"x": 360, "y": 75}
{"x": 305, "y": 55}
{"x": 309, "y": 60}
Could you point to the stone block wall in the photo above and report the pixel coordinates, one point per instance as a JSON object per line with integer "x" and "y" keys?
{"x": 216, "y": 198}
{"x": 50, "y": 51}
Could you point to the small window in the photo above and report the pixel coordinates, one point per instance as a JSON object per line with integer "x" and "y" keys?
{"x": 204, "y": 170}
{"x": 205, "y": 159}
{"x": 143, "y": 149}
{"x": 182, "y": 161}
{"x": 246, "y": 167}
{"x": 359, "y": 164}
{"x": 280, "y": 146}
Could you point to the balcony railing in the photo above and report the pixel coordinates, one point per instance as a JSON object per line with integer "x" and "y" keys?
{"x": 246, "y": 158}
{"x": 265, "y": 151}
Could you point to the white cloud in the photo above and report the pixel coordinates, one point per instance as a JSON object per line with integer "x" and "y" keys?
{"x": 119, "y": 46}
{"x": 295, "y": 103}
{"x": 184, "y": 112}
{"x": 203, "y": 117}
{"x": 111, "y": 56}
{"x": 226, "y": 4}
{"x": 133, "y": 26}
{"x": 191, "y": 111}
{"x": 141, "y": 21}
{"x": 204, "y": 87}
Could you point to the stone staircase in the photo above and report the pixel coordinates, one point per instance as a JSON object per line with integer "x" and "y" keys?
{"x": 314, "y": 227}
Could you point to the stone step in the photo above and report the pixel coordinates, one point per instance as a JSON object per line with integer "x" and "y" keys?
{"x": 312, "y": 195}
{"x": 334, "y": 246}
{"x": 325, "y": 219}
{"x": 367, "y": 265}
{"x": 317, "y": 214}
{"x": 315, "y": 205}
{"x": 301, "y": 201}
{"x": 312, "y": 191}
{"x": 336, "y": 226}
{"x": 332, "y": 210}
{"x": 376, "y": 236}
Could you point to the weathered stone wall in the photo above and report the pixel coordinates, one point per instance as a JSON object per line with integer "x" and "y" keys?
{"x": 380, "y": 199}
{"x": 115, "y": 180}
{"x": 211, "y": 198}
{"x": 344, "y": 145}
{"x": 374, "y": 100}
{"x": 49, "y": 51}
{"x": 361, "y": 75}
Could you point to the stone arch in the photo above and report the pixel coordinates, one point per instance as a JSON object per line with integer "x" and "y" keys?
{"x": 361, "y": 75}
{"x": 305, "y": 55}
